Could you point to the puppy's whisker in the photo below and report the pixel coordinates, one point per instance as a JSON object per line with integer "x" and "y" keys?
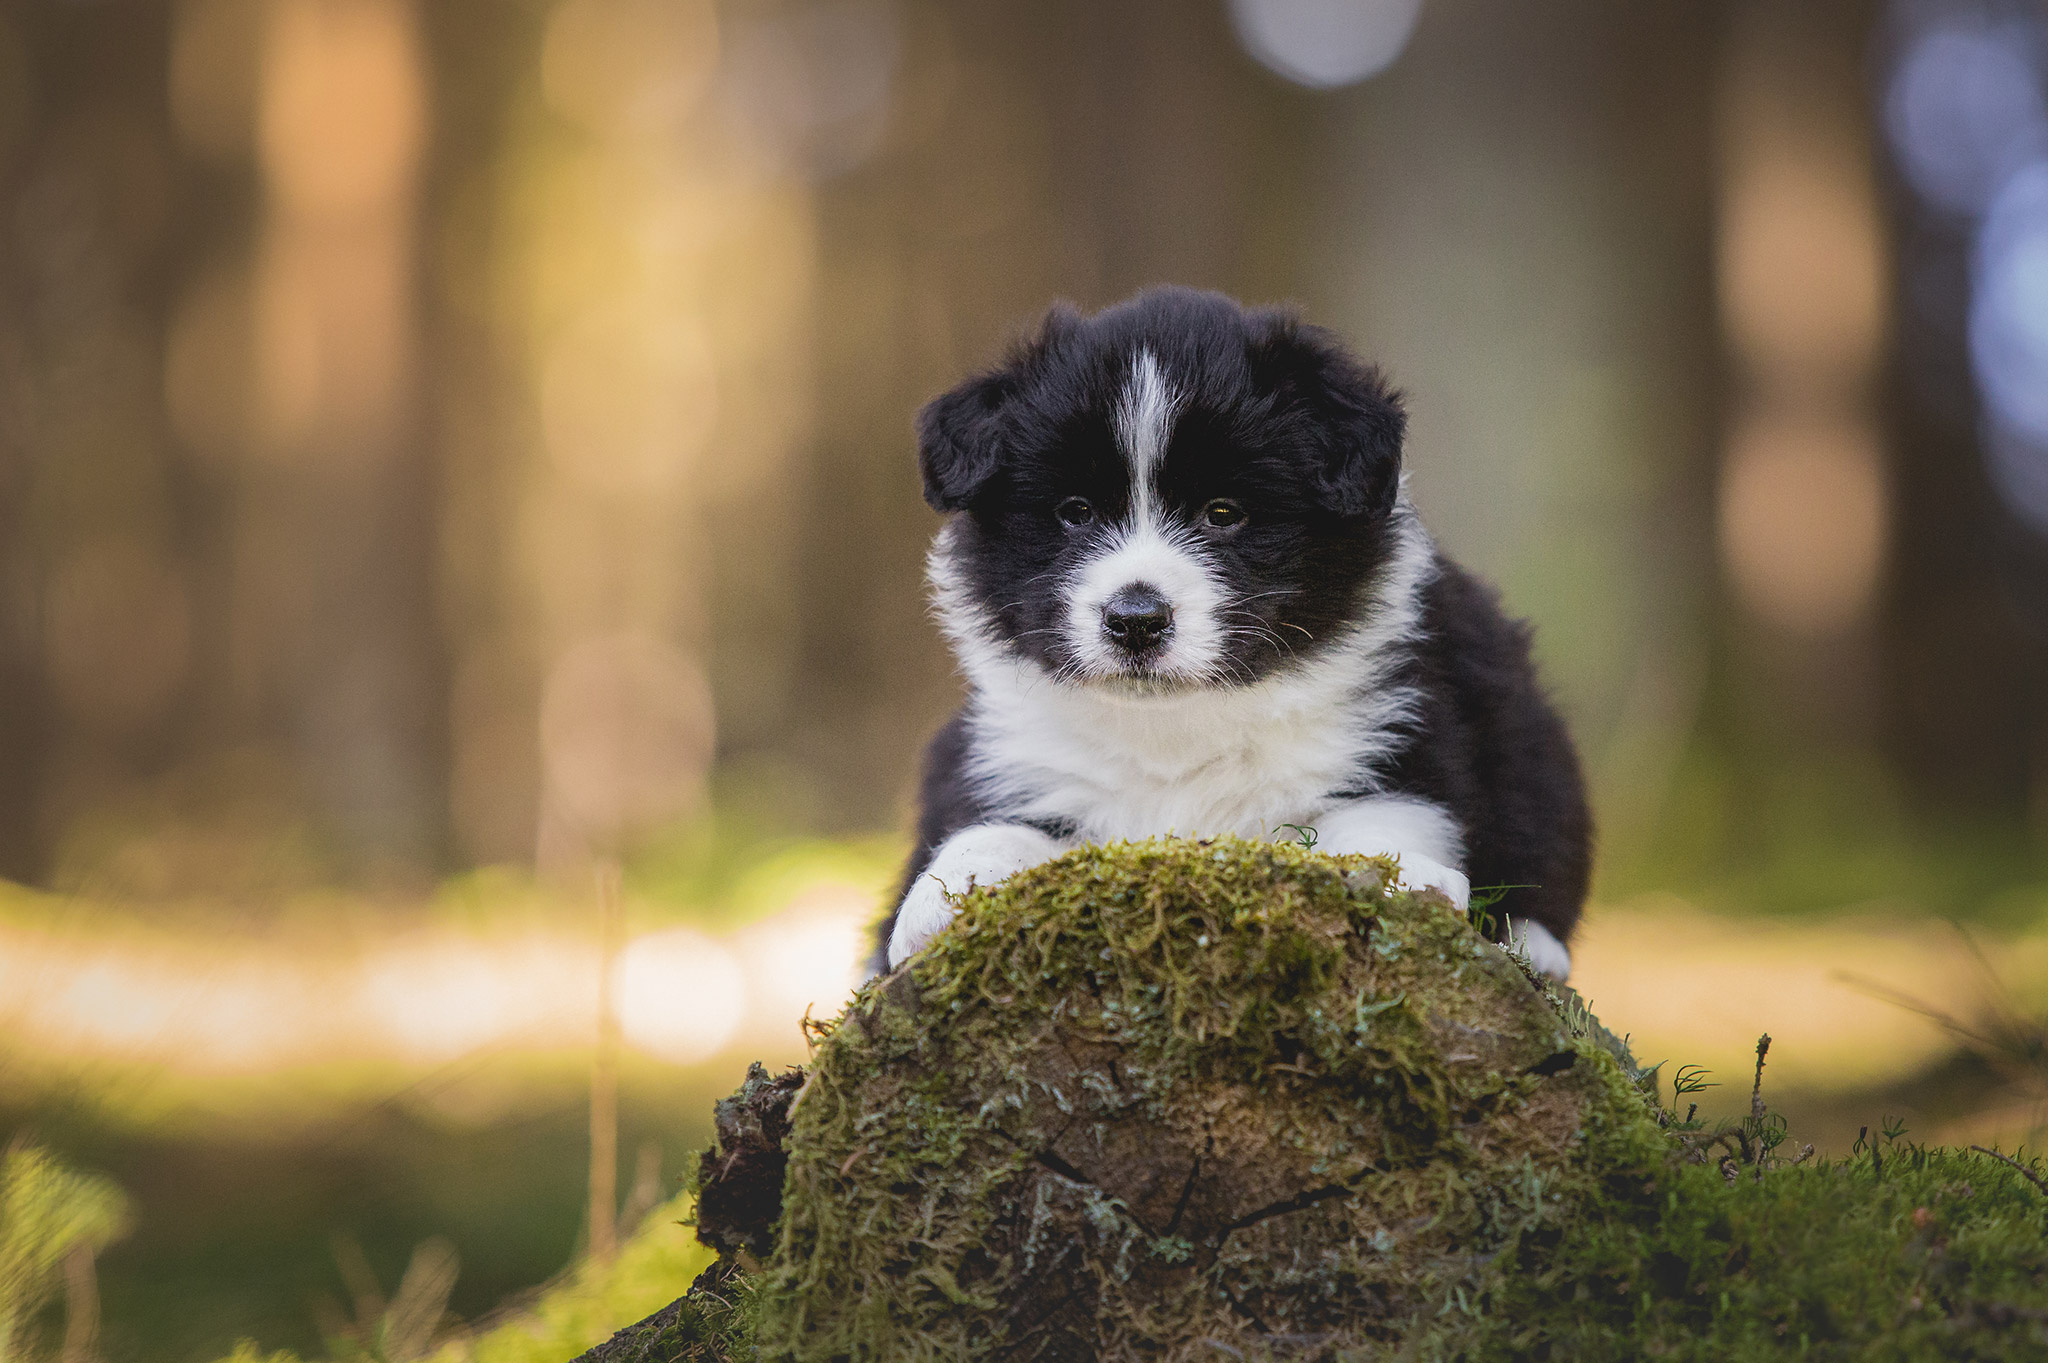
{"x": 1256, "y": 628}
{"x": 1252, "y": 632}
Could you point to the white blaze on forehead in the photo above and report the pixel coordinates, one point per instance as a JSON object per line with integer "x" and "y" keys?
{"x": 1147, "y": 548}
{"x": 1144, "y": 423}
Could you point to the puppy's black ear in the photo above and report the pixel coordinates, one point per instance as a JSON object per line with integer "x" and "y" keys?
{"x": 1344, "y": 410}
{"x": 957, "y": 442}
{"x": 959, "y": 433}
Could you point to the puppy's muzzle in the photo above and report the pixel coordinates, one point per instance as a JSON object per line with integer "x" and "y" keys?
{"x": 1137, "y": 619}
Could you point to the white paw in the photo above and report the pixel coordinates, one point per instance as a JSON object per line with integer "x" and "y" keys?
{"x": 1419, "y": 872}
{"x": 1417, "y": 833}
{"x": 923, "y": 915}
{"x": 983, "y": 855}
{"x": 1538, "y": 946}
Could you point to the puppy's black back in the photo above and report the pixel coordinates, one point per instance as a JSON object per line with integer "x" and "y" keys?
{"x": 1490, "y": 747}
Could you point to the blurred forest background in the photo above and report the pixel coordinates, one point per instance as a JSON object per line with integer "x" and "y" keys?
{"x": 446, "y": 447}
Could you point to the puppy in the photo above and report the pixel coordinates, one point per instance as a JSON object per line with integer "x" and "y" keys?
{"x": 1190, "y": 596}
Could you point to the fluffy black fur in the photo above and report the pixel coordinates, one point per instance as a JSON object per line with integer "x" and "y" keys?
{"x": 1490, "y": 748}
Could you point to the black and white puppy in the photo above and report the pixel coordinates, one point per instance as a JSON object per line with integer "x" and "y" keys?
{"x": 1190, "y": 596}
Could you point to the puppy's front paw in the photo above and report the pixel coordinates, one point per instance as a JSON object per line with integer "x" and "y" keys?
{"x": 1425, "y": 873}
{"x": 982, "y": 855}
{"x": 923, "y": 915}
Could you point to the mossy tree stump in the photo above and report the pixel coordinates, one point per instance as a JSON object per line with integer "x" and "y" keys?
{"x": 1179, "y": 1099}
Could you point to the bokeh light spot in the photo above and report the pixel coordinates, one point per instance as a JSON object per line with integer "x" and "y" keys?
{"x": 1802, "y": 520}
{"x": 343, "y": 107}
{"x": 1324, "y": 44}
{"x": 679, "y": 994}
{"x": 627, "y": 400}
{"x": 623, "y": 66}
{"x": 1801, "y": 263}
{"x": 810, "y": 84}
{"x": 2009, "y": 311}
{"x": 1964, "y": 108}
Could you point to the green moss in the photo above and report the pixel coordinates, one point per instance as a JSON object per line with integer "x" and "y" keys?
{"x": 714, "y": 1323}
{"x": 1916, "y": 1254}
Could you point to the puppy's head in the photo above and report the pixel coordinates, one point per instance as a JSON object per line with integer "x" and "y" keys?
{"x": 1176, "y": 492}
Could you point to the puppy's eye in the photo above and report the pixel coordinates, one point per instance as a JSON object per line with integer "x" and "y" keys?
{"x": 1074, "y": 511}
{"x": 1223, "y": 513}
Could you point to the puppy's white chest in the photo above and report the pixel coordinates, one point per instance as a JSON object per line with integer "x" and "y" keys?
{"x": 1206, "y": 765}
{"x": 1232, "y": 794}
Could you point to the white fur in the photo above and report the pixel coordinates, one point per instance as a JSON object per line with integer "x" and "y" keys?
{"x": 1144, "y": 423}
{"x": 1418, "y": 832}
{"x": 981, "y": 855}
{"x": 1119, "y": 759}
{"x": 1538, "y": 946}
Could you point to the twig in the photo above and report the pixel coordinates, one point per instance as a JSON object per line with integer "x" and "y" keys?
{"x": 604, "y": 1072}
{"x": 1756, "y": 1093}
{"x": 2031, "y": 1176}
{"x": 81, "y": 1306}
{"x": 2007, "y": 1003}
{"x": 1946, "y": 1021}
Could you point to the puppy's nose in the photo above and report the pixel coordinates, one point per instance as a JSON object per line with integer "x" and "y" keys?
{"x": 1137, "y": 617}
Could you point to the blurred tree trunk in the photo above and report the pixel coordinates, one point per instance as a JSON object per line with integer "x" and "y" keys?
{"x": 1963, "y": 632}
{"x": 339, "y": 503}
{"x": 205, "y": 561}
{"x": 482, "y": 54}
{"x": 23, "y": 702}
{"x": 1964, "y": 629}
{"x": 95, "y": 620}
